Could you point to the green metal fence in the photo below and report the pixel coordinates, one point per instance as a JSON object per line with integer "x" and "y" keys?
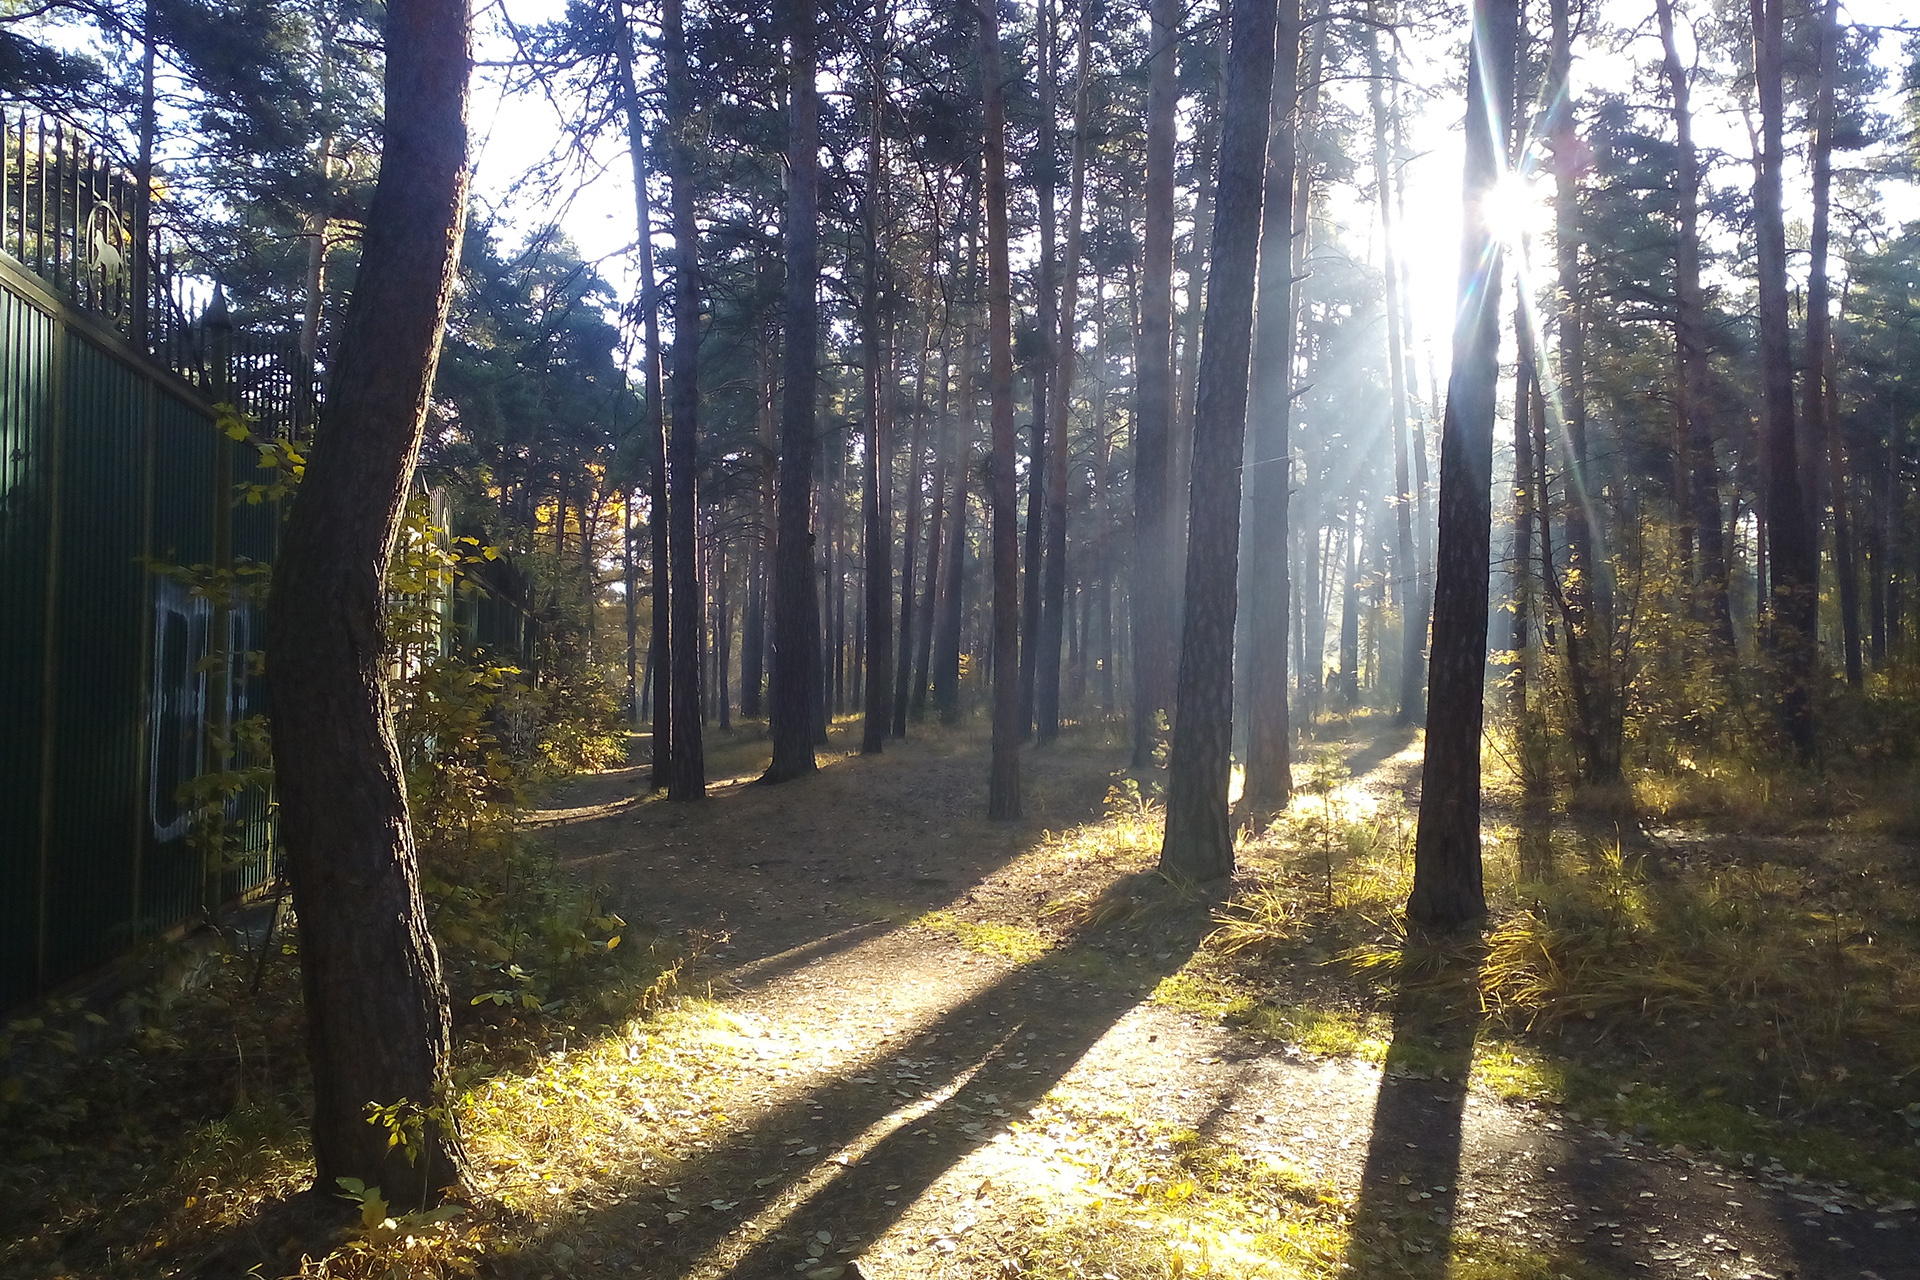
{"x": 112, "y": 674}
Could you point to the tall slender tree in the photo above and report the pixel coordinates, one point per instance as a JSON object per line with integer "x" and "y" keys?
{"x": 1704, "y": 527}
{"x": 1054, "y": 589}
{"x": 1003, "y": 781}
{"x": 1199, "y": 834}
{"x": 687, "y": 778}
{"x": 1822, "y": 432}
{"x": 1792, "y": 599}
{"x": 1269, "y": 461}
{"x": 877, "y": 480}
{"x": 1405, "y": 574}
{"x": 1447, "y": 884}
{"x": 653, "y": 426}
{"x": 796, "y": 609}
{"x": 1151, "y": 596}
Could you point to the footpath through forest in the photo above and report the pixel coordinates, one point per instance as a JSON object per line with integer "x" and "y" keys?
{"x": 942, "y": 1047}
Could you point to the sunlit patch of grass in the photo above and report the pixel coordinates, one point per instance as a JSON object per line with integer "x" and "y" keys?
{"x": 1776, "y": 1001}
{"x": 1155, "y": 1200}
{"x": 1514, "y": 1073}
{"x": 1010, "y": 941}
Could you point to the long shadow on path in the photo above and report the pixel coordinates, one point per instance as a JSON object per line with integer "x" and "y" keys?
{"x": 878, "y": 1142}
{"x": 1409, "y": 1191}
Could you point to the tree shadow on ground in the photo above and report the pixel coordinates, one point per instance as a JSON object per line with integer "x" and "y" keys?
{"x": 1402, "y": 1221}
{"x": 875, "y": 1146}
{"x": 1379, "y": 749}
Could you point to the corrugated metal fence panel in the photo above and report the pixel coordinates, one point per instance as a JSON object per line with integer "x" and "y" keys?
{"x": 179, "y": 689}
{"x": 256, "y": 528}
{"x": 26, "y": 444}
{"x": 101, "y": 593}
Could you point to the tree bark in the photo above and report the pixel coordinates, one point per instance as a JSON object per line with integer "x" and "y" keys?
{"x": 1791, "y": 554}
{"x": 1054, "y": 588}
{"x": 1003, "y": 780}
{"x": 1447, "y": 886}
{"x": 1823, "y": 429}
{"x": 877, "y": 482}
{"x": 916, "y": 483}
{"x": 1691, "y": 356}
{"x": 1269, "y": 733}
{"x": 1405, "y": 574}
{"x": 687, "y": 779}
{"x": 1597, "y": 726}
{"x": 377, "y": 1017}
{"x": 654, "y": 424}
{"x": 1152, "y": 596}
{"x": 1046, "y": 387}
{"x": 1199, "y": 833}
{"x": 946, "y": 658}
{"x": 794, "y": 691}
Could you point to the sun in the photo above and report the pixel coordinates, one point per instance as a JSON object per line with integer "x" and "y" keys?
{"x": 1515, "y": 209}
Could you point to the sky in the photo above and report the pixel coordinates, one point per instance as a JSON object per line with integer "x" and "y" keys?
{"x": 512, "y": 135}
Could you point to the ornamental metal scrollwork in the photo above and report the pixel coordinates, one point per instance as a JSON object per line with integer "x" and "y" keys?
{"x": 105, "y": 244}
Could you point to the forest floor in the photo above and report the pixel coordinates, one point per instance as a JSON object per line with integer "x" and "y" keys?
{"x": 936, "y": 1046}
{"x": 852, "y": 1029}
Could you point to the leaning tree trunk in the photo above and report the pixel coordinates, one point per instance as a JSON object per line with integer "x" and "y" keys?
{"x": 1793, "y": 599}
{"x": 377, "y": 1018}
{"x": 1269, "y": 736}
{"x": 794, "y": 687}
{"x": 1152, "y": 597}
{"x": 1199, "y": 835}
{"x": 1053, "y": 602}
{"x": 1003, "y": 779}
{"x": 687, "y": 779}
{"x": 1447, "y": 888}
{"x": 653, "y": 427}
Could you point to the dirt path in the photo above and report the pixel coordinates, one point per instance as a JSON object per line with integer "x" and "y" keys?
{"x": 900, "y": 1082}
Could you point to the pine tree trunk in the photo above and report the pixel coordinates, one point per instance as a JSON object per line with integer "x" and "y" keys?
{"x": 687, "y": 779}
{"x": 1003, "y": 779}
{"x": 1447, "y": 885}
{"x": 1792, "y": 599}
{"x": 936, "y": 519}
{"x": 1152, "y": 590}
{"x": 1054, "y": 587}
{"x": 1823, "y": 429}
{"x": 877, "y": 483}
{"x": 377, "y": 1018}
{"x": 794, "y": 686}
{"x": 1199, "y": 833}
{"x": 916, "y": 482}
{"x": 1405, "y": 573}
{"x": 1270, "y": 462}
{"x": 654, "y": 423}
{"x": 946, "y": 659}
{"x": 1691, "y": 355}
{"x": 1592, "y": 679}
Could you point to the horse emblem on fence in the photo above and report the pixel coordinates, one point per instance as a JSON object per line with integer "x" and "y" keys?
{"x": 105, "y": 244}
